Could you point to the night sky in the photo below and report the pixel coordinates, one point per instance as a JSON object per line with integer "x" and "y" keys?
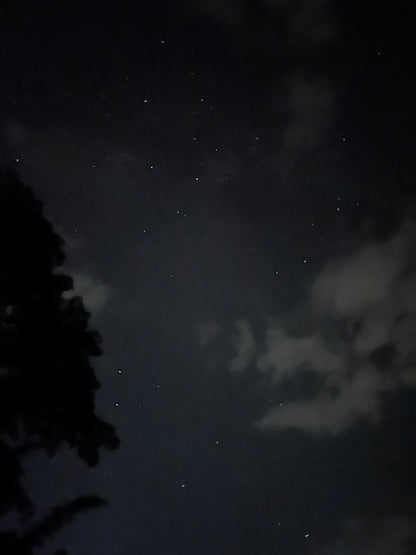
{"x": 235, "y": 185}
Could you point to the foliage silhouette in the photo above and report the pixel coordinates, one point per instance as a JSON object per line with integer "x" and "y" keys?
{"x": 13, "y": 543}
{"x": 47, "y": 385}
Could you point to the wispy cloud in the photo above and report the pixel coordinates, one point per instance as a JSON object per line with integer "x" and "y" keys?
{"x": 362, "y": 310}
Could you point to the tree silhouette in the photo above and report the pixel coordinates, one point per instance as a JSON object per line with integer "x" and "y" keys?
{"x": 47, "y": 385}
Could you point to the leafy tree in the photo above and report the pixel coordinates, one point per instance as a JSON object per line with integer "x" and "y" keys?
{"x": 47, "y": 384}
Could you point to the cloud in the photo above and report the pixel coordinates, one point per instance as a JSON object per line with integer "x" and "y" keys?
{"x": 245, "y": 345}
{"x": 310, "y": 21}
{"x": 384, "y": 536}
{"x": 95, "y": 294}
{"x": 302, "y": 97}
{"x": 206, "y": 332}
{"x": 363, "y": 313}
{"x": 306, "y": 21}
{"x": 311, "y": 108}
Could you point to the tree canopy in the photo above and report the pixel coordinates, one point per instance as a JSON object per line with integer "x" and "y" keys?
{"x": 47, "y": 383}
